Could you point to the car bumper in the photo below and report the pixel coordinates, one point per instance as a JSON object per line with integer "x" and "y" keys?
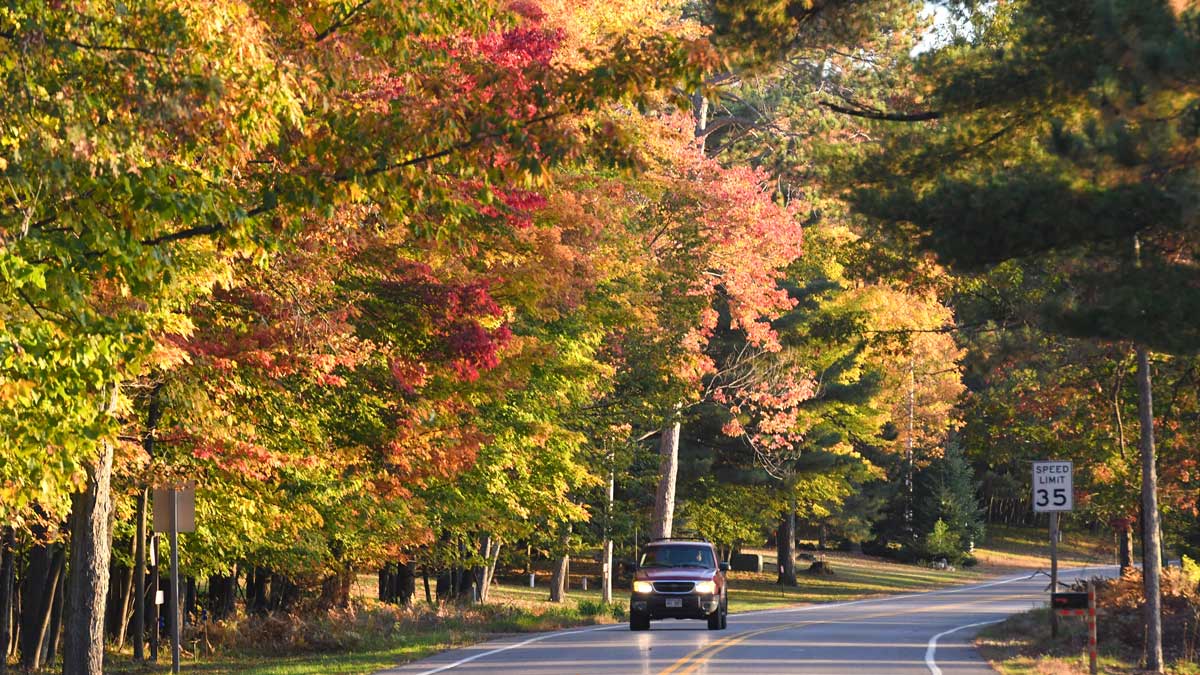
{"x": 692, "y": 606}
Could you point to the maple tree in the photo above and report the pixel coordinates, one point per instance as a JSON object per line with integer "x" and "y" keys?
{"x": 170, "y": 165}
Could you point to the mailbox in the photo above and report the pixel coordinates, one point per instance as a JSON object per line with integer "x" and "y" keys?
{"x": 1069, "y": 601}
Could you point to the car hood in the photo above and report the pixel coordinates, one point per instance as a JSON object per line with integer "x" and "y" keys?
{"x": 675, "y": 573}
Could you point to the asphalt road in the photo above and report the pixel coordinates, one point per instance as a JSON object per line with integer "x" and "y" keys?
{"x": 913, "y": 634}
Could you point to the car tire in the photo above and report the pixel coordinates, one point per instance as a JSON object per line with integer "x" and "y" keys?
{"x": 639, "y": 622}
{"x": 714, "y": 620}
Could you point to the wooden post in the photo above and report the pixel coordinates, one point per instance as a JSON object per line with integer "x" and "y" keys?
{"x": 1091, "y": 619}
{"x": 1053, "y": 569}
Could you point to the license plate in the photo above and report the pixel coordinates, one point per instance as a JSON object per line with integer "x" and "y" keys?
{"x": 674, "y": 602}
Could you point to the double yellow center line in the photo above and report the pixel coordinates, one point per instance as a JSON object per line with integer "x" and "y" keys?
{"x": 688, "y": 664}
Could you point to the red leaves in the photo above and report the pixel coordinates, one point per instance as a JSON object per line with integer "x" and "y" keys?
{"x": 520, "y": 48}
{"x": 461, "y": 326}
{"x": 246, "y": 459}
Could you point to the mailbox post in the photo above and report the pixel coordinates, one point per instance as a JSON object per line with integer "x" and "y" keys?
{"x": 1079, "y": 604}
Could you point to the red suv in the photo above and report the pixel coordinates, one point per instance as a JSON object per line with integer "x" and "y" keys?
{"x": 679, "y": 579}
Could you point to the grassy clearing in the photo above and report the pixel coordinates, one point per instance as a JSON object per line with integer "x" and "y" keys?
{"x": 1022, "y": 646}
{"x": 1008, "y": 547}
{"x": 856, "y": 576}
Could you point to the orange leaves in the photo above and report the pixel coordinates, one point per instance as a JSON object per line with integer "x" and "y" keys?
{"x": 422, "y": 449}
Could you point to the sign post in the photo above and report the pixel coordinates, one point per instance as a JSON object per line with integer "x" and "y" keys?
{"x": 175, "y": 512}
{"x": 1053, "y": 492}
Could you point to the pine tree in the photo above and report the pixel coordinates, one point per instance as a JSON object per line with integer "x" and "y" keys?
{"x": 1065, "y": 140}
{"x": 946, "y": 498}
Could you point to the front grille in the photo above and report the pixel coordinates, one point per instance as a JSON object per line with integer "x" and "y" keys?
{"x": 674, "y": 586}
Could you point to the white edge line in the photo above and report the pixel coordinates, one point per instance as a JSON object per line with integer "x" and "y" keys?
{"x": 944, "y": 591}
{"x": 887, "y": 598}
{"x": 931, "y": 649}
{"x": 515, "y": 645}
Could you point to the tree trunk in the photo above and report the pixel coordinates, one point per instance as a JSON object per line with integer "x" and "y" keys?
{"x": 258, "y": 588}
{"x": 491, "y": 556}
{"x": 425, "y": 581}
{"x": 91, "y": 548}
{"x": 405, "y": 583}
{"x": 606, "y": 556}
{"x": 56, "y": 616}
{"x": 14, "y": 621}
{"x": 787, "y": 548}
{"x": 8, "y": 554}
{"x": 34, "y": 600}
{"x": 222, "y": 594}
{"x": 668, "y": 470}
{"x": 387, "y": 584}
{"x": 139, "y": 579}
{"x": 34, "y": 649}
{"x": 558, "y": 581}
{"x": 126, "y": 602}
{"x": 1125, "y": 546}
{"x": 189, "y": 602}
{"x": 1151, "y": 534}
{"x": 153, "y": 414}
{"x": 153, "y": 574}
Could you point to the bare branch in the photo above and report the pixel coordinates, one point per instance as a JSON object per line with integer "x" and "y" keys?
{"x": 342, "y": 21}
{"x": 876, "y": 114}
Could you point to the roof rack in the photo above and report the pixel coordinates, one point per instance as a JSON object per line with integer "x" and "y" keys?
{"x": 684, "y": 539}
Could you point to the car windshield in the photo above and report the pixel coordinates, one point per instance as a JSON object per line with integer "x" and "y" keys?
{"x": 678, "y": 556}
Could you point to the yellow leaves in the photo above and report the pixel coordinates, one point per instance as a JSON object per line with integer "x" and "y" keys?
{"x": 591, "y": 27}
{"x": 168, "y": 356}
{"x": 16, "y": 391}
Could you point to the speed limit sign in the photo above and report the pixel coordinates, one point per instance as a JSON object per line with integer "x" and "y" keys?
{"x": 1052, "y": 487}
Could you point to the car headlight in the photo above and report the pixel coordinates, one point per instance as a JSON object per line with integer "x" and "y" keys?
{"x": 706, "y": 587}
{"x": 643, "y": 587}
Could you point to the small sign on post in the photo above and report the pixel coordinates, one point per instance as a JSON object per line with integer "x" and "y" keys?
{"x": 175, "y": 512}
{"x": 185, "y": 497}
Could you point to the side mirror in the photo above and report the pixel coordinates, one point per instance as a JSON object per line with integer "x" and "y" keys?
{"x": 724, "y": 566}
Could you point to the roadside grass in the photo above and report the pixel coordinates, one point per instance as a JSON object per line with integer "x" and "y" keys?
{"x": 357, "y": 662}
{"x": 371, "y": 638}
{"x": 1022, "y": 645}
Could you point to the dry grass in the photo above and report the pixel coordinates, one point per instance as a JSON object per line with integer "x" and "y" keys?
{"x": 1022, "y": 645}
